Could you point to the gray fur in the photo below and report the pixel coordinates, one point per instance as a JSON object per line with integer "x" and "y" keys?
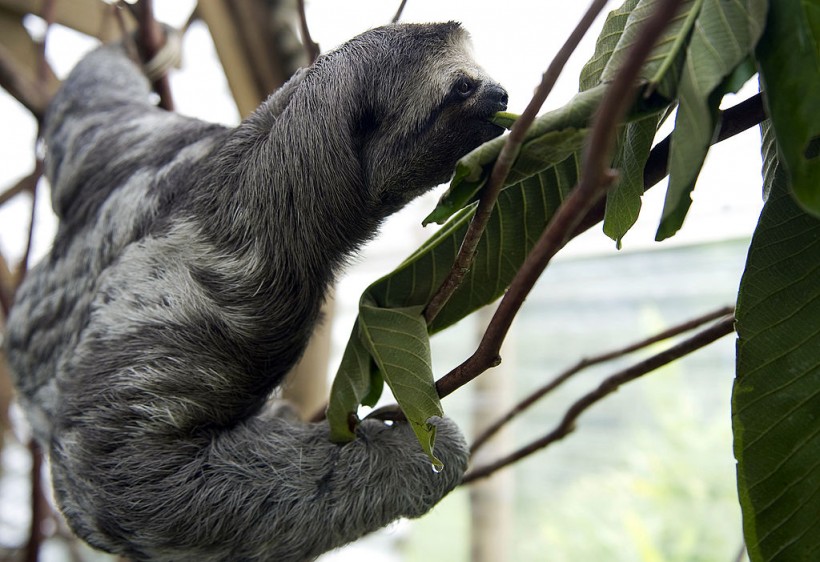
{"x": 185, "y": 280}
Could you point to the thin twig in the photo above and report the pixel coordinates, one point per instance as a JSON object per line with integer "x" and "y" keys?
{"x": 607, "y": 387}
{"x": 397, "y": 17}
{"x": 311, "y": 47}
{"x": 741, "y": 553}
{"x": 503, "y": 164}
{"x": 39, "y": 506}
{"x": 595, "y": 180}
{"x": 25, "y": 184}
{"x": 8, "y": 283}
{"x": 151, "y": 40}
{"x": 47, "y": 12}
{"x": 6, "y": 288}
{"x": 23, "y": 265}
{"x": 595, "y": 360}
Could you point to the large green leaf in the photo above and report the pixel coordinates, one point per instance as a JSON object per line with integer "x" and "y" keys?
{"x": 776, "y": 397}
{"x": 623, "y": 202}
{"x": 607, "y": 42}
{"x": 397, "y": 340}
{"x": 789, "y": 57}
{"x": 351, "y": 389}
{"x": 724, "y": 35}
{"x": 662, "y": 67}
{"x": 387, "y": 344}
{"x": 660, "y": 73}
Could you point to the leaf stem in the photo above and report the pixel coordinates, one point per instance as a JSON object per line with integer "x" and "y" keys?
{"x": 607, "y": 387}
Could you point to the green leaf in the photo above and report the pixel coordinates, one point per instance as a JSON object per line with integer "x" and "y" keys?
{"x": 724, "y": 35}
{"x": 520, "y": 215}
{"x": 776, "y": 402}
{"x": 623, "y": 202}
{"x": 397, "y": 340}
{"x": 607, "y": 42}
{"x": 789, "y": 57}
{"x": 662, "y": 67}
{"x": 387, "y": 344}
{"x": 351, "y": 387}
{"x": 660, "y": 73}
{"x": 739, "y": 76}
{"x": 464, "y": 187}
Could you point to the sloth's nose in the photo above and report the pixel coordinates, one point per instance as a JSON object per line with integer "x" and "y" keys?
{"x": 498, "y": 96}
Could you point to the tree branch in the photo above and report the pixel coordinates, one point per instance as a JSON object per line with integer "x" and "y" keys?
{"x": 503, "y": 164}
{"x": 25, "y": 184}
{"x": 595, "y": 179}
{"x": 311, "y": 47}
{"x": 6, "y": 288}
{"x": 397, "y": 17}
{"x": 151, "y": 40}
{"x": 607, "y": 387}
{"x": 595, "y": 360}
{"x": 47, "y": 12}
{"x": 22, "y": 267}
{"x": 39, "y": 505}
{"x": 28, "y": 92}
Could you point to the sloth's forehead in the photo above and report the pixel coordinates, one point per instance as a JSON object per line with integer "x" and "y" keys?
{"x": 445, "y": 66}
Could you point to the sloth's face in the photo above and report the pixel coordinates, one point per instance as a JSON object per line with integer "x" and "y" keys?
{"x": 419, "y": 130}
{"x": 463, "y": 120}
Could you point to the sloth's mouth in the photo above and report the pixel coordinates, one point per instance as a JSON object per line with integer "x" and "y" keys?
{"x": 503, "y": 119}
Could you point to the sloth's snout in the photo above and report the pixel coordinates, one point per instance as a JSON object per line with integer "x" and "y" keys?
{"x": 491, "y": 99}
{"x": 497, "y": 97}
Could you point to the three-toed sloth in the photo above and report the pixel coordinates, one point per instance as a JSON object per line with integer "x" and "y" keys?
{"x": 186, "y": 277}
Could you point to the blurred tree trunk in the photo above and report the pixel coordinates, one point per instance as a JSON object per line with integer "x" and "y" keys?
{"x": 491, "y": 499}
{"x": 307, "y": 386}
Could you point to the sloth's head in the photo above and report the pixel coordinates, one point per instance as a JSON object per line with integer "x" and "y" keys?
{"x": 418, "y": 102}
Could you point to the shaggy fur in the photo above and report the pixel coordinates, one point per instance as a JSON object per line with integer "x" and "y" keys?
{"x": 185, "y": 280}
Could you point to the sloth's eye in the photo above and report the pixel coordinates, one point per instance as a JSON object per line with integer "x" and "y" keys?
{"x": 464, "y": 87}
